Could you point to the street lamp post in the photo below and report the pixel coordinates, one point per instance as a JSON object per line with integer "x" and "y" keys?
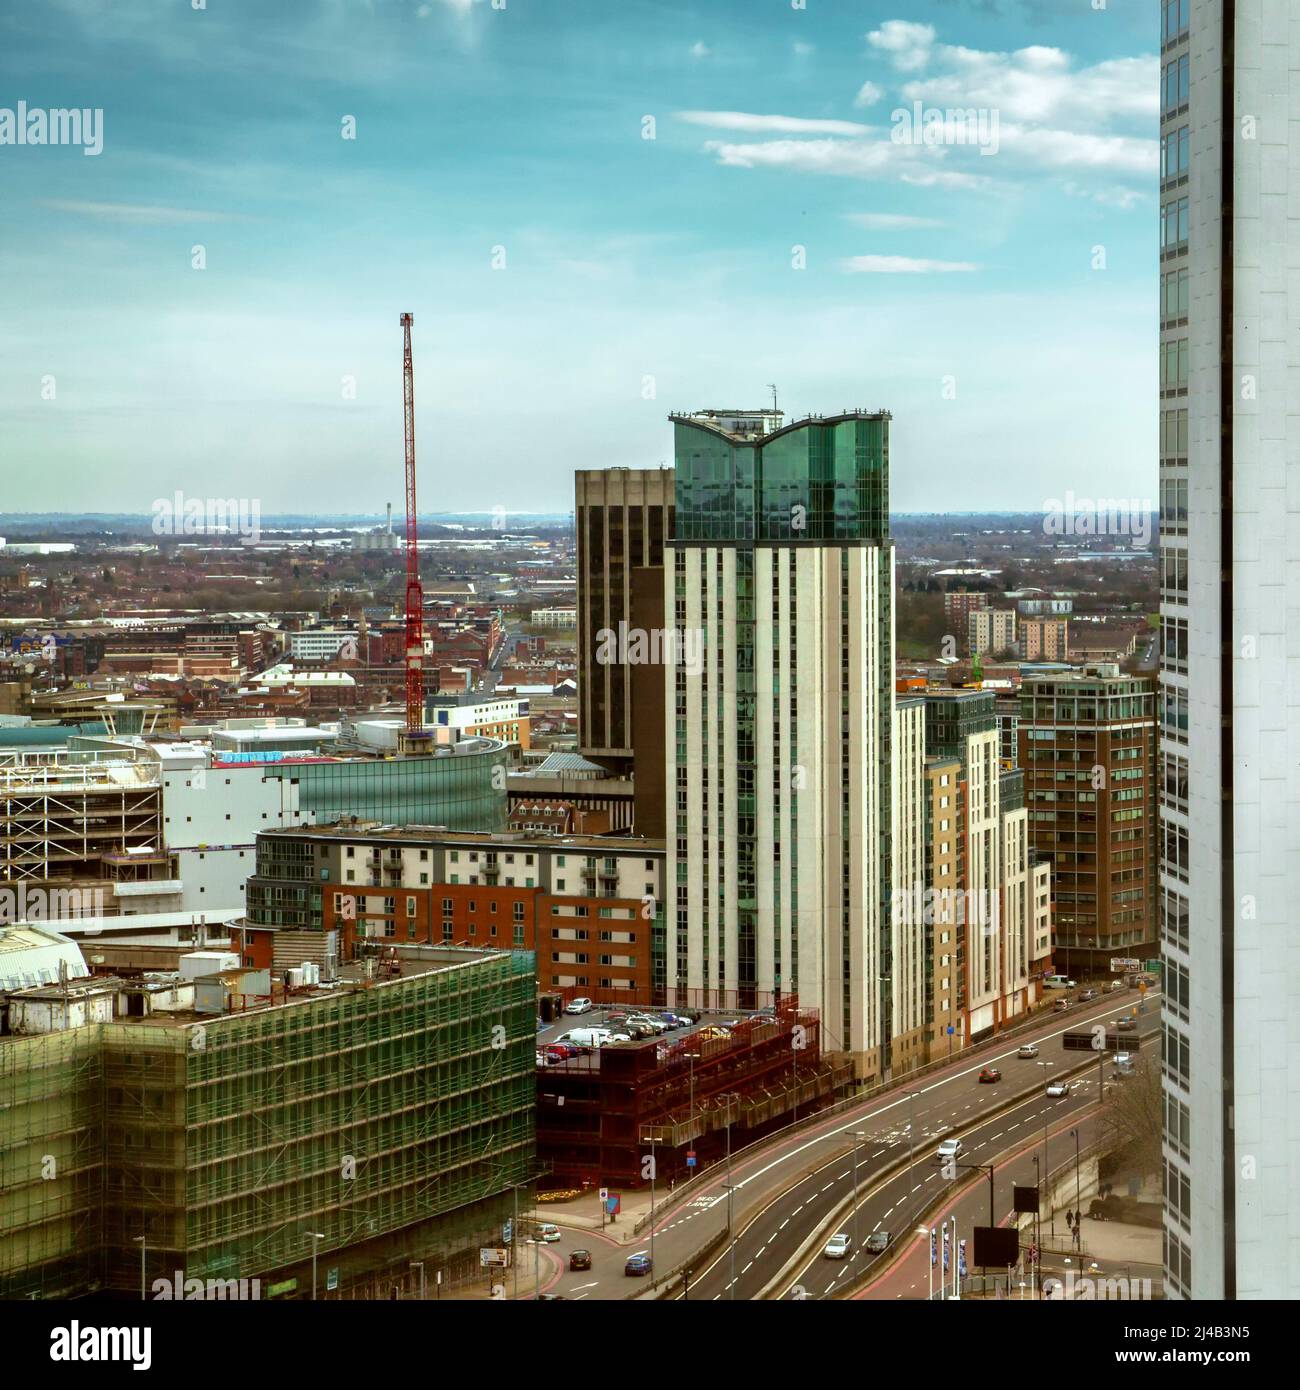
{"x": 1047, "y": 1172}
{"x": 419, "y": 1264}
{"x": 315, "y": 1237}
{"x": 911, "y": 1150}
{"x": 141, "y": 1241}
{"x": 1078, "y": 1215}
{"x": 855, "y": 1136}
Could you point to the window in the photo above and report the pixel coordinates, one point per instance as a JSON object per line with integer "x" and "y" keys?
{"x": 1174, "y": 153}
{"x": 1174, "y": 224}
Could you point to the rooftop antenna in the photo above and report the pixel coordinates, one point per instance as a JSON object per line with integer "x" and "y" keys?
{"x": 771, "y": 386}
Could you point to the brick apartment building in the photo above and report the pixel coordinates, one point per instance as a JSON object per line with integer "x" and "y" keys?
{"x": 590, "y": 906}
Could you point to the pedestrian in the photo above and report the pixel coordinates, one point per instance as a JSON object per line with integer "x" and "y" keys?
{"x": 1069, "y": 1217}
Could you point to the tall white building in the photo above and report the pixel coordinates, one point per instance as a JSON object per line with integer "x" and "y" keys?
{"x": 1230, "y": 602}
{"x": 780, "y": 720}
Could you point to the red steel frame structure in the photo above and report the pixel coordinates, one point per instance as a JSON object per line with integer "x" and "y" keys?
{"x": 414, "y": 593}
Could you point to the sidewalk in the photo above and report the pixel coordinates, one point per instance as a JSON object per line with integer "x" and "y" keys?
{"x": 583, "y": 1213}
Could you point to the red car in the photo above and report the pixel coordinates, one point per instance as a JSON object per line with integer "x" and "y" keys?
{"x": 990, "y": 1074}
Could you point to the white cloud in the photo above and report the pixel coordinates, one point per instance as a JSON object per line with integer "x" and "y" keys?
{"x": 137, "y": 214}
{"x": 1116, "y": 196}
{"x": 861, "y": 159}
{"x": 700, "y": 50}
{"x": 803, "y": 50}
{"x": 891, "y": 221}
{"x": 903, "y": 265}
{"x": 868, "y": 94}
{"x": 907, "y": 44}
{"x": 1073, "y": 149}
{"x": 1040, "y": 85}
{"x": 752, "y": 124}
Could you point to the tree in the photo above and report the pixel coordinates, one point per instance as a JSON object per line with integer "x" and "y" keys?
{"x": 1132, "y": 1119}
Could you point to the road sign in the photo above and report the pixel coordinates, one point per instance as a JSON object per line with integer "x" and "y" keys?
{"x": 488, "y": 1256}
{"x": 1118, "y": 964}
{"x": 507, "y": 1232}
{"x": 951, "y": 1029}
{"x": 332, "y": 1278}
{"x": 690, "y": 1158}
{"x": 604, "y": 1195}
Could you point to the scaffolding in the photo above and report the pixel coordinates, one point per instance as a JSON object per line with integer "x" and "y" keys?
{"x": 374, "y": 1120}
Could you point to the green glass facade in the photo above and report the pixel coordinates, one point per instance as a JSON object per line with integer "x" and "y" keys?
{"x": 462, "y": 791}
{"x": 818, "y": 481}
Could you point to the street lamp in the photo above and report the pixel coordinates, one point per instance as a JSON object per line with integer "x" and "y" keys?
{"x": 911, "y": 1149}
{"x": 1046, "y": 1170}
{"x": 315, "y": 1237}
{"x": 419, "y": 1264}
{"x": 1078, "y": 1215}
{"x": 141, "y": 1241}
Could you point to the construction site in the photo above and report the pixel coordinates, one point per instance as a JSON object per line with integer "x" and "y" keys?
{"x": 226, "y": 1128}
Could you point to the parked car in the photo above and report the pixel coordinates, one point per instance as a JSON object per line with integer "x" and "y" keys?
{"x": 713, "y": 1031}
{"x": 838, "y": 1246}
{"x": 1056, "y": 1089}
{"x": 548, "y": 1232}
{"x": 656, "y": 1025}
{"x": 1127, "y": 1024}
{"x": 581, "y": 1005}
{"x": 673, "y": 1020}
{"x": 637, "y": 1264}
{"x": 950, "y": 1148}
{"x": 988, "y": 1074}
{"x": 878, "y": 1242}
{"x": 580, "y": 1259}
{"x": 1086, "y": 995}
{"x": 1027, "y": 1050}
{"x": 637, "y": 1028}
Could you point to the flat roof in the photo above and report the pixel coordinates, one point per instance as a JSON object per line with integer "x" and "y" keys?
{"x": 425, "y": 834}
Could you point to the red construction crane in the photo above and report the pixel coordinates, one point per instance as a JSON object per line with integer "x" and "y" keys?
{"x": 414, "y": 593}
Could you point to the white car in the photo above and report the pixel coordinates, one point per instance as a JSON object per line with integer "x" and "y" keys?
{"x": 660, "y": 1025}
{"x": 578, "y": 1006}
{"x": 838, "y": 1246}
{"x": 1027, "y": 1050}
{"x": 1058, "y": 1088}
{"x": 950, "y": 1148}
{"x": 548, "y": 1233}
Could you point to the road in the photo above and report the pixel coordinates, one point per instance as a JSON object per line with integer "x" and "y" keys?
{"x": 787, "y": 1189}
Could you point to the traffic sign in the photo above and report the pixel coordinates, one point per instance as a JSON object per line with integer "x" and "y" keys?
{"x": 507, "y": 1232}
{"x": 604, "y": 1195}
{"x": 690, "y": 1158}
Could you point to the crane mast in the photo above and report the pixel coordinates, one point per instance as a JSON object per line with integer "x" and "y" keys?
{"x": 414, "y": 593}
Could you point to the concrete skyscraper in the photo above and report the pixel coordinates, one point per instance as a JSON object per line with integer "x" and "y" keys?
{"x": 1230, "y": 676}
{"x": 781, "y": 721}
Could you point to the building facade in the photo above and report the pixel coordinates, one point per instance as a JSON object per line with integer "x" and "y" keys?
{"x": 991, "y": 630}
{"x": 779, "y": 718}
{"x": 1230, "y": 619}
{"x": 1087, "y": 750}
{"x": 624, "y": 517}
{"x": 1045, "y": 639}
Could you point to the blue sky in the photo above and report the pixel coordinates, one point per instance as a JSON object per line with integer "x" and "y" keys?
{"x": 961, "y": 289}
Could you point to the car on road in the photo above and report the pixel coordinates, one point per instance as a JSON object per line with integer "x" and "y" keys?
{"x": 1124, "y": 1067}
{"x": 988, "y": 1074}
{"x": 1058, "y": 1088}
{"x": 878, "y": 1242}
{"x": 1087, "y": 995}
{"x": 950, "y": 1148}
{"x": 1127, "y": 1024}
{"x": 838, "y": 1246}
{"x": 1061, "y": 1005}
{"x": 548, "y": 1233}
{"x": 580, "y": 1259}
{"x": 580, "y": 1005}
{"x": 1114, "y": 986}
{"x": 1027, "y": 1050}
{"x": 638, "y": 1263}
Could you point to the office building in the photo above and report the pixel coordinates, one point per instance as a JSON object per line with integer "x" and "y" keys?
{"x": 1087, "y": 751}
{"x": 624, "y": 517}
{"x": 1230, "y": 619}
